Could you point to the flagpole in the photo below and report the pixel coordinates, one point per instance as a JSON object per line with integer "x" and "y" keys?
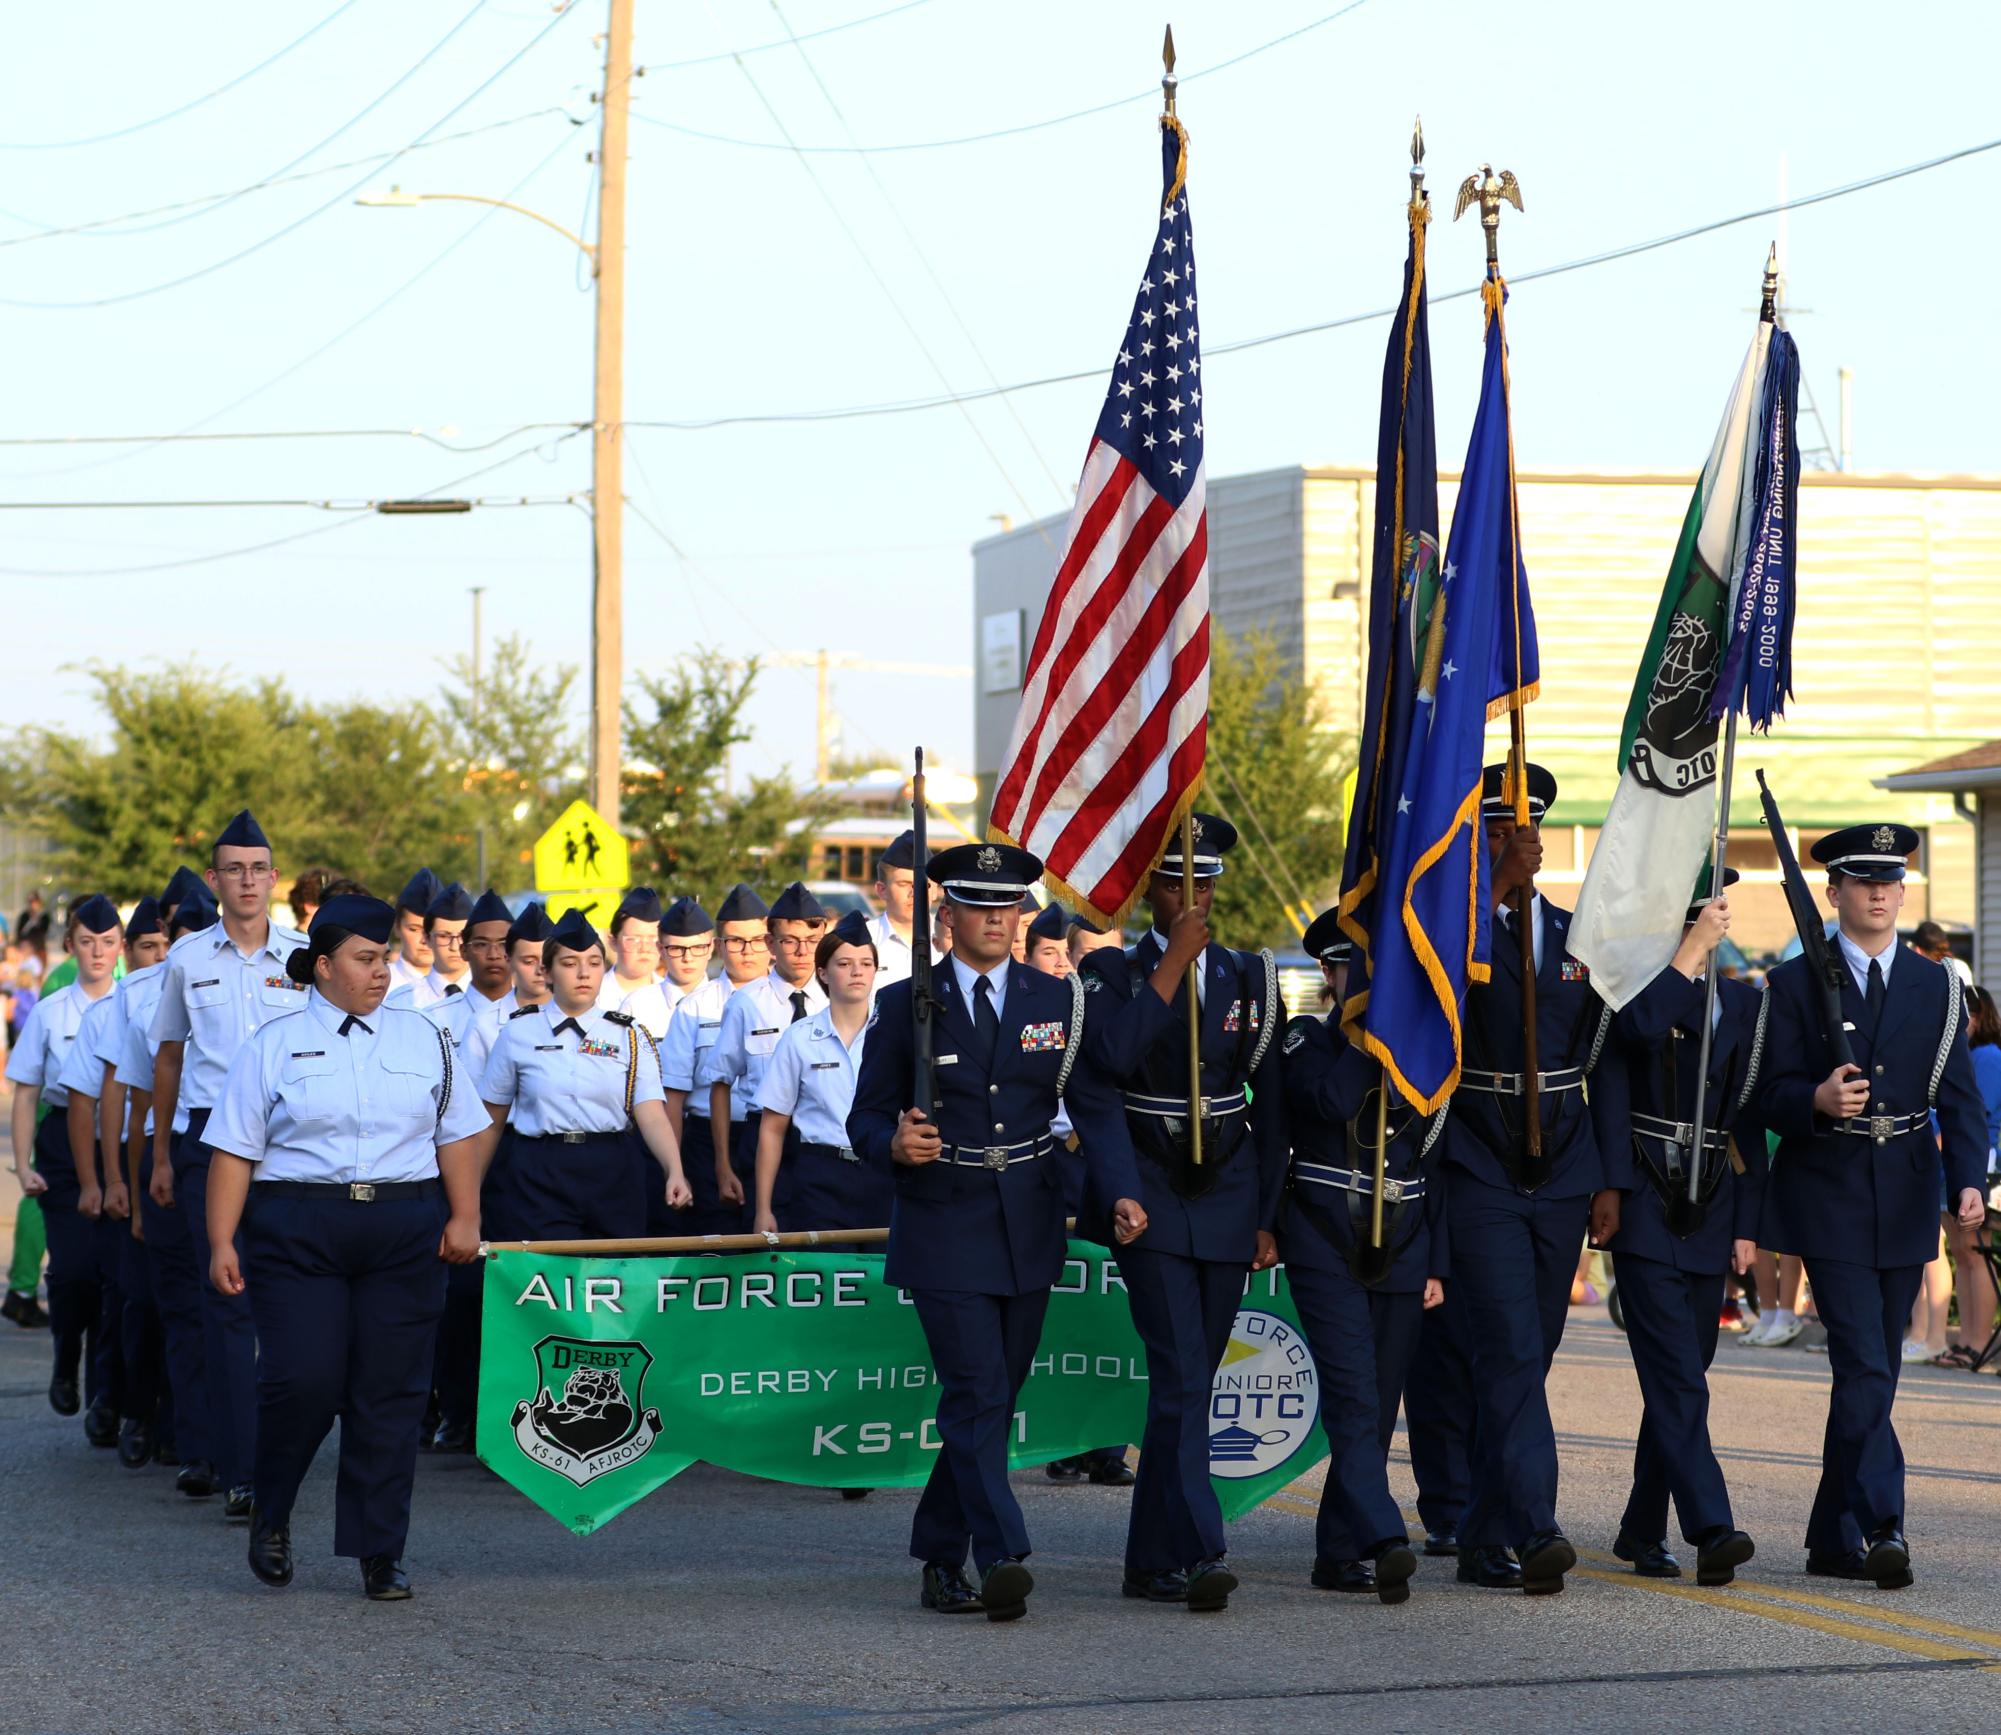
{"x": 1720, "y": 844}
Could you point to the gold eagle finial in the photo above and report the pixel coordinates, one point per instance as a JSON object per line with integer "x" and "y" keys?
{"x": 1489, "y": 191}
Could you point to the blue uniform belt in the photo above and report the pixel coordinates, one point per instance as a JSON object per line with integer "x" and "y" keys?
{"x": 1680, "y": 1133}
{"x": 348, "y": 1192}
{"x": 1511, "y": 1083}
{"x": 1354, "y": 1181}
{"x": 996, "y": 1156}
{"x": 844, "y": 1153}
{"x": 1176, "y": 1107}
{"x": 565, "y": 1138}
{"x": 1882, "y": 1127}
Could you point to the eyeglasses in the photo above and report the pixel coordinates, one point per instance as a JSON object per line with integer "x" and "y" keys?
{"x": 497, "y": 946}
{"x": 687, "y": 954}
{"x": 797, "y": 942}
{"x": 238, "y": 871}
{"x": 756, "y": 943}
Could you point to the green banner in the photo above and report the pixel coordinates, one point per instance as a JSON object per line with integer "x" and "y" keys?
{"x": 600, "y": 1379}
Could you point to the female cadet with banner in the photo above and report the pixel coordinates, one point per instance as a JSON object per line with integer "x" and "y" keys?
{"x": 809, "y": 1083}
{"x": 569, "y": 1078}
{"x": 349, "y": 1153}
{"x": 70, "y": 1191}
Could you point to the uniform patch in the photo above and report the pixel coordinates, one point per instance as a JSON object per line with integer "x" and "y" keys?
{"x": 284, "y": 982}
{"x": 609, "y": 1050}
{"x": 1572, "y": 971}
{"x": 1233, "y": 1019}
{"x": 1044, "y": 1038}
{"x": 1295, "y": 1040}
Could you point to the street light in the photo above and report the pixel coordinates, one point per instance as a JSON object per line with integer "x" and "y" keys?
{"x": 607, "y": 257}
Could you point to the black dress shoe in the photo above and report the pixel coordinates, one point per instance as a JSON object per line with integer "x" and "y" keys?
{"x": 453, "y": 1437}
{"x": 1545, "y": 1558}
{"x": 1113, "y": 1473}
{"x": 271, "y": 1553}
{"x": 1348, "y": 1575}
{"x": 135, "y": 1445}
{"x": 63, "y": 1397}
{"x": 1649, "y": 1559}
{"x": 1209, "y": 1585}
{"x": 1168, "y": 1586}
{"x": 383, "y": 1578}
{"x": 23, "y": 1309}
{"x": 196, "y": 1479}
{"x": 1824, "y": 1563}
{"x": 100, "y": 1425}
{"x": 236, "y": 1509}
{"x": 1719, "y": 1554}
{"x": 1888, "y": 1559}
{"x": 948, "y": 1590}
{"x": 1004, "y": 1589}
{"x": 1064, "y": 1470}
{"x": 1394, "y": 1565}
{"x": 1489, "y": 1568}
{"x": 1441, "y": 1543}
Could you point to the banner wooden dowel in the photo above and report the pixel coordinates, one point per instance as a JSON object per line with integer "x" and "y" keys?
{"x": 794, "y": 1241}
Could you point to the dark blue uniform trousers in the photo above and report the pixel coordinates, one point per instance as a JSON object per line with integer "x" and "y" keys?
{"x": 1866, "y": 1313}
{"x": 709, "y": 1215}
{"x": 107, "y": 1350}
{"x": 1671, "y": 1323}
{"x": 1513, "y": 1258}
{"x": 170, "y": 1263}
{"x": 347, "y": 1298}
{"x": 563, "y": 1192}
{"x": 1183, "y": 1310}
{"x": 229, "y": 1331}
{"x": 1362, "y": 1342}
{"x": 1438, "y": 1413}
{"x": 455, "y": 1360}
{"x": 982, "y": 1347}
{"x": 76, "y": 1292}
{"x": 144, "y": 1396}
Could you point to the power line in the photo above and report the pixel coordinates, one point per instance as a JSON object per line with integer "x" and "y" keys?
{"x": 852, "y": 150}
{"x": 187, "y": 107}
{"x": 911, "y": 406}
{"x": 298, "y": 223}
{"x": 358, "y": 504}
{"x": 783, "y": 42}
{"x": 424, "y": 434}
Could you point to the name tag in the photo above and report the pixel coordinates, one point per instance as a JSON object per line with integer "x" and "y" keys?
{"x": 947, "y": 1060}
{"x": 212, "y": 982}
{"x": 1040, "y": 1038}
{"x": 824, "y": 1066}
{"x": 548, "y": 1048}
{"x": 771, "y": 1030}
{"x": 309, "y": 1054}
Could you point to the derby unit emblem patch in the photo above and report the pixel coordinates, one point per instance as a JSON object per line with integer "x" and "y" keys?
{"x": 1043, "y": 1038}
{"x": 587, "y": 1417}
{"x": 1264, "y": 1400}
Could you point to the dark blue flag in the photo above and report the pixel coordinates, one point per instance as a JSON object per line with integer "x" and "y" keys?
{"x": 1757, "y": 671}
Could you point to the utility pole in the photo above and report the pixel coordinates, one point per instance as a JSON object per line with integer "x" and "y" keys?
{"x": 608, "y": 419}
{"x": 477, "y": 591}
{"x": 822, "y": 723}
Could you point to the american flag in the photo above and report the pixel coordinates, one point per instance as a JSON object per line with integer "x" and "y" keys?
{"x": 1108, "y": 744}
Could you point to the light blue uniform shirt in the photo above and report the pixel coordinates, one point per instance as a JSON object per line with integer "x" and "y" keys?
{"x": 481, "y": 1030}
{"x": 967, "y": 976}
{"x": 136, "y": 1049}
{"x": 429, "y": 990}
{"x": 753, "y": 1021}
{"x": 83, "y": 1067}
{"x": 811, "y": 1077}
{"x": 691, "y": 1033}
{"x": 305, "y": 1103}
{"x": 214, "y": 999}
{"x": 46, "y": 1040}
{"x": 1859, "y": 961}
{"x": 570, "y": 1080}
{"x": 650, "y": 1006}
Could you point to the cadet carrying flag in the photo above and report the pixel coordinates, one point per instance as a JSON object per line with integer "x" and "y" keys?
{"x": 1454, "y": 645}
{"x": 1721, "y": 637}
{"x": 1108, "y": 745}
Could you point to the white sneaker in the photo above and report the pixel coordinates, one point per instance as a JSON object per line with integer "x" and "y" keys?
{"x": 1785, "y": 1327}
{"x": 1915, "y": 1351}
{"x": 1756, "y": 1334}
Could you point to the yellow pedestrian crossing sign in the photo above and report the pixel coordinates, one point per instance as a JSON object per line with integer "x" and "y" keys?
{"x": 581, "y": 850}
{"x": 598, "y": 904}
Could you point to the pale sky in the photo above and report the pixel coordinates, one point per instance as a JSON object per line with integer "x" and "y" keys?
{"x": 747, "y": 295}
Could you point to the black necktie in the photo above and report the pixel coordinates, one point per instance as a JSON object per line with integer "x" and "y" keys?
{"x": 452, "y": 988}
{"x": 986, "y": 1021}
{"x": 350, "y": 1022}
{"x": 1878, "y": 992}
{"x": 798, "y": 1004}
{"x": 571, "y": 1024}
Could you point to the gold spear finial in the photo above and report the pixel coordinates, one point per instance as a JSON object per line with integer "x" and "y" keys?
{"x": 1417, "y": 191}
{"x": 1768, "y": 311}
{"x": 1168, "y": 81}
{"x": 1489, "y": 190}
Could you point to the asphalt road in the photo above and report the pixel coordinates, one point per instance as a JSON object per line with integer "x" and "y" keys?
{"x": 723, "y": 1603}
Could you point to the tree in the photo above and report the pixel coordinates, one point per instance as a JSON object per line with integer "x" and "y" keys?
{"x": 692, "y": 834}
{"x": 1276, "y": 771}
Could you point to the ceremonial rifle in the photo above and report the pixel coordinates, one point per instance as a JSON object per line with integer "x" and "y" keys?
{"x": 1821, "y": 961}
{"x": 923, "y": 1004}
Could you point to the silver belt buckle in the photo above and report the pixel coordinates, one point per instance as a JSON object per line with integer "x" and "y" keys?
{"x": 996, "y": 1157}
{"x": 362, "y": 1192}
{"x": 1882, "y": 1126}
{"x": 1392, "y": 1190}
{"x": 846, "y": 1153}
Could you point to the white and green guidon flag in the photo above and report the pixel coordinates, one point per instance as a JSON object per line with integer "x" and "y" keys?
{"x": 1655, "y": 841}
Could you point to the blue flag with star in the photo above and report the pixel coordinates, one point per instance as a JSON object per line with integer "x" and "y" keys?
{"x": 1471, "y": 654}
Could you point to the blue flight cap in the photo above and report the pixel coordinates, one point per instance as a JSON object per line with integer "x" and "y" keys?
{"x": 532, "y": 924}
{"x": 901, "y": 853}
{"x": 1084, "y": 922}
{"x": 242, "y": 832}
{"x": 685, "y": 918}
{"x": 1878, "y": 853}
{"x": 195, "y": 912}
{"x": 185, "y": 880}
{"x": 796, "y": 904}
{"x": 741, "y": 905}
{"x": 490, "y": 908}
{"x": 574, "y": 933}
{"x": 422, "y": 891}
{"x": 1051, "y": 923}
{"x": 640, "y": 904}
{"x": 1324, "y": 940}
{"x": 145, "y": 919}
{"x": 351, "y": 914}
{"x": 984, "y": 875}
{"x": 1542, "y": 793}
{"x": 453, "y": 904}
{"x": 1214, "y": 838}
{"x": 96, "y": 914}
{"x": 853, "y": 930}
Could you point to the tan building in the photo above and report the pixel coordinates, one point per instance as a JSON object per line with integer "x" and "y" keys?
{"x": 1896, "y": 653}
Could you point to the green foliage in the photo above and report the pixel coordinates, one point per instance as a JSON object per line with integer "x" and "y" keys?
{"x": 1276, "y": 767}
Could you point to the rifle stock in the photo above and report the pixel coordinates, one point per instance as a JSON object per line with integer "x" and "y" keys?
{"x": 923, "y": 1004}
{"x": 1820, "y": 956}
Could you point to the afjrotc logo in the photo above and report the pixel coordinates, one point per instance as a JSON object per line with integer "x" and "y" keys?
{"x": 587, "y": 1417}
{"x": 1265, "y": 1399}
